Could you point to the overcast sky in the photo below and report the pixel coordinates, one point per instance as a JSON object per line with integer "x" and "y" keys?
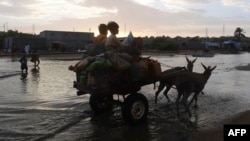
{"x": 142, "y": 17}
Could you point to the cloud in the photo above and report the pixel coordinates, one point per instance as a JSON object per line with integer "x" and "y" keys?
{"x": 244, "y": 4}
{"x": 172, "y": 6}
{"x": 143, "y": 17}
{"x": 15, "y": 9}
{"x": 50, "y": 10}
{"x": 5, "y": 3}
{"x": 58, "y": 9}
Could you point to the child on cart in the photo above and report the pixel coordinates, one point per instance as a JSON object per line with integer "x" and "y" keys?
{"x": 100, "y": 39}
{"x": 122, "y": 54}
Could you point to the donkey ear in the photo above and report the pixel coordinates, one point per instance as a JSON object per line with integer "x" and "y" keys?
{"x": 194, "y": 60}
{"x": 213, "y": 68}
{"x": 187, "y": 59}
{"x": 203, "y": 66}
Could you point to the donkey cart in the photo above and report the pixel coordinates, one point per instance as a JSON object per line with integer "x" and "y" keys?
{"x": 134, "y": 105}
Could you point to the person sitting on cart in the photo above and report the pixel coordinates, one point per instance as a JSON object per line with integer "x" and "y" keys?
{"x": 114, "y": 47}
{"x": 103, "y": 32}
{"x": 121, "y": 54}
{"x": 100, "y": 39}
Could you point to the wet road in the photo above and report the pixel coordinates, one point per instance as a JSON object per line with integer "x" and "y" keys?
{"x": 44, "y": 105}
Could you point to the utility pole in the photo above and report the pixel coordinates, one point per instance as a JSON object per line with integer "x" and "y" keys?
{"x": 33, "y": 29}
{"x": 125, "y": 29}
{"x": 223, "y": 30}
{"x": 206, "y": 33}
{"x": 4, "y": 27}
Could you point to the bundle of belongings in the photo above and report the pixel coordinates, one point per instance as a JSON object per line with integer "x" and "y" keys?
{"x": 98, "y": 70}
{"x": 92, "y": 68}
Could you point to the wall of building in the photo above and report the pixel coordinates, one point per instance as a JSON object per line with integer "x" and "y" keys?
{"x": 35, "y": 43}
{"x": 72, "y": 40}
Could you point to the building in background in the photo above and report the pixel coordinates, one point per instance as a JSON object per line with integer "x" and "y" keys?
{"x": 35, "y": 43}
{"x": 66, "y": 41}
{"x": 50, "y": 41}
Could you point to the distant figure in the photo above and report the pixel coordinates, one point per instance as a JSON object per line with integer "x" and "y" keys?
{"x": 24, "y": 66}
{"x": 35, "y": 58}
{"x": 27, "y": 48}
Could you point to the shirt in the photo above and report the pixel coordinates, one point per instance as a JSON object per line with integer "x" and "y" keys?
{"x": 112, "y": 42}
{"x": 100, "y": 38}
{"x": 27, "y": 49}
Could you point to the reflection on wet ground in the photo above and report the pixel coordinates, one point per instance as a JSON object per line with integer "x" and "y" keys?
{"x": 44, "y": 106}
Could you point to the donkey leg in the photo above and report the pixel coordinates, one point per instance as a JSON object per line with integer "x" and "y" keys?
{"x": 160, "y": 88}
{"x": 38, "y": 62}
{"x": 189, "y": 104}
{"x": 195, "y": 101}
{"x": 177, "y": 102}
{"x": 166, "y": 92}
{"x": 184, "y": 102}
{"x": 195, "y": 97}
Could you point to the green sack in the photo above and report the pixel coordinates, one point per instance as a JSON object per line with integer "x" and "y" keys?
{"x": 100, "y": 65}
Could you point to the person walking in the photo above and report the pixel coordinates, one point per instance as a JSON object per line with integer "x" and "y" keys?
{"x": 24, "y": 66}
{"x": 27, "y": 48}
{"x": 35, "y": 58}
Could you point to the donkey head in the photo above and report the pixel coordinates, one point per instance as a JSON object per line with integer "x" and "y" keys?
{"x": 190, "y": 64}
{"x": 207, "y": 70}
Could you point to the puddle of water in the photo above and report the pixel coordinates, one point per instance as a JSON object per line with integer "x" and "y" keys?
{"x": 44, "y": 105}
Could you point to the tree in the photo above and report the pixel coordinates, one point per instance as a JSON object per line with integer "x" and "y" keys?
{"x": 239, "y": 33}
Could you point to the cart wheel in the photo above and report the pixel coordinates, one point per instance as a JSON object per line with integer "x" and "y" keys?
{"x": 135, "y": 108}
{"x": 100, "y": 103}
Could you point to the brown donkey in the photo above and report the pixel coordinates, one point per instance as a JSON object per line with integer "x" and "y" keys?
{"x": 169, "y": 76}
{"x": 189, "y": 82}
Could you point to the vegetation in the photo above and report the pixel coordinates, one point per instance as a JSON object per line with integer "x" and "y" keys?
{"x": 15, "y": 33}
{"x": 239, "y": 33}
{"x": 177, "y": 43}
{"x": 163, "y": 43}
